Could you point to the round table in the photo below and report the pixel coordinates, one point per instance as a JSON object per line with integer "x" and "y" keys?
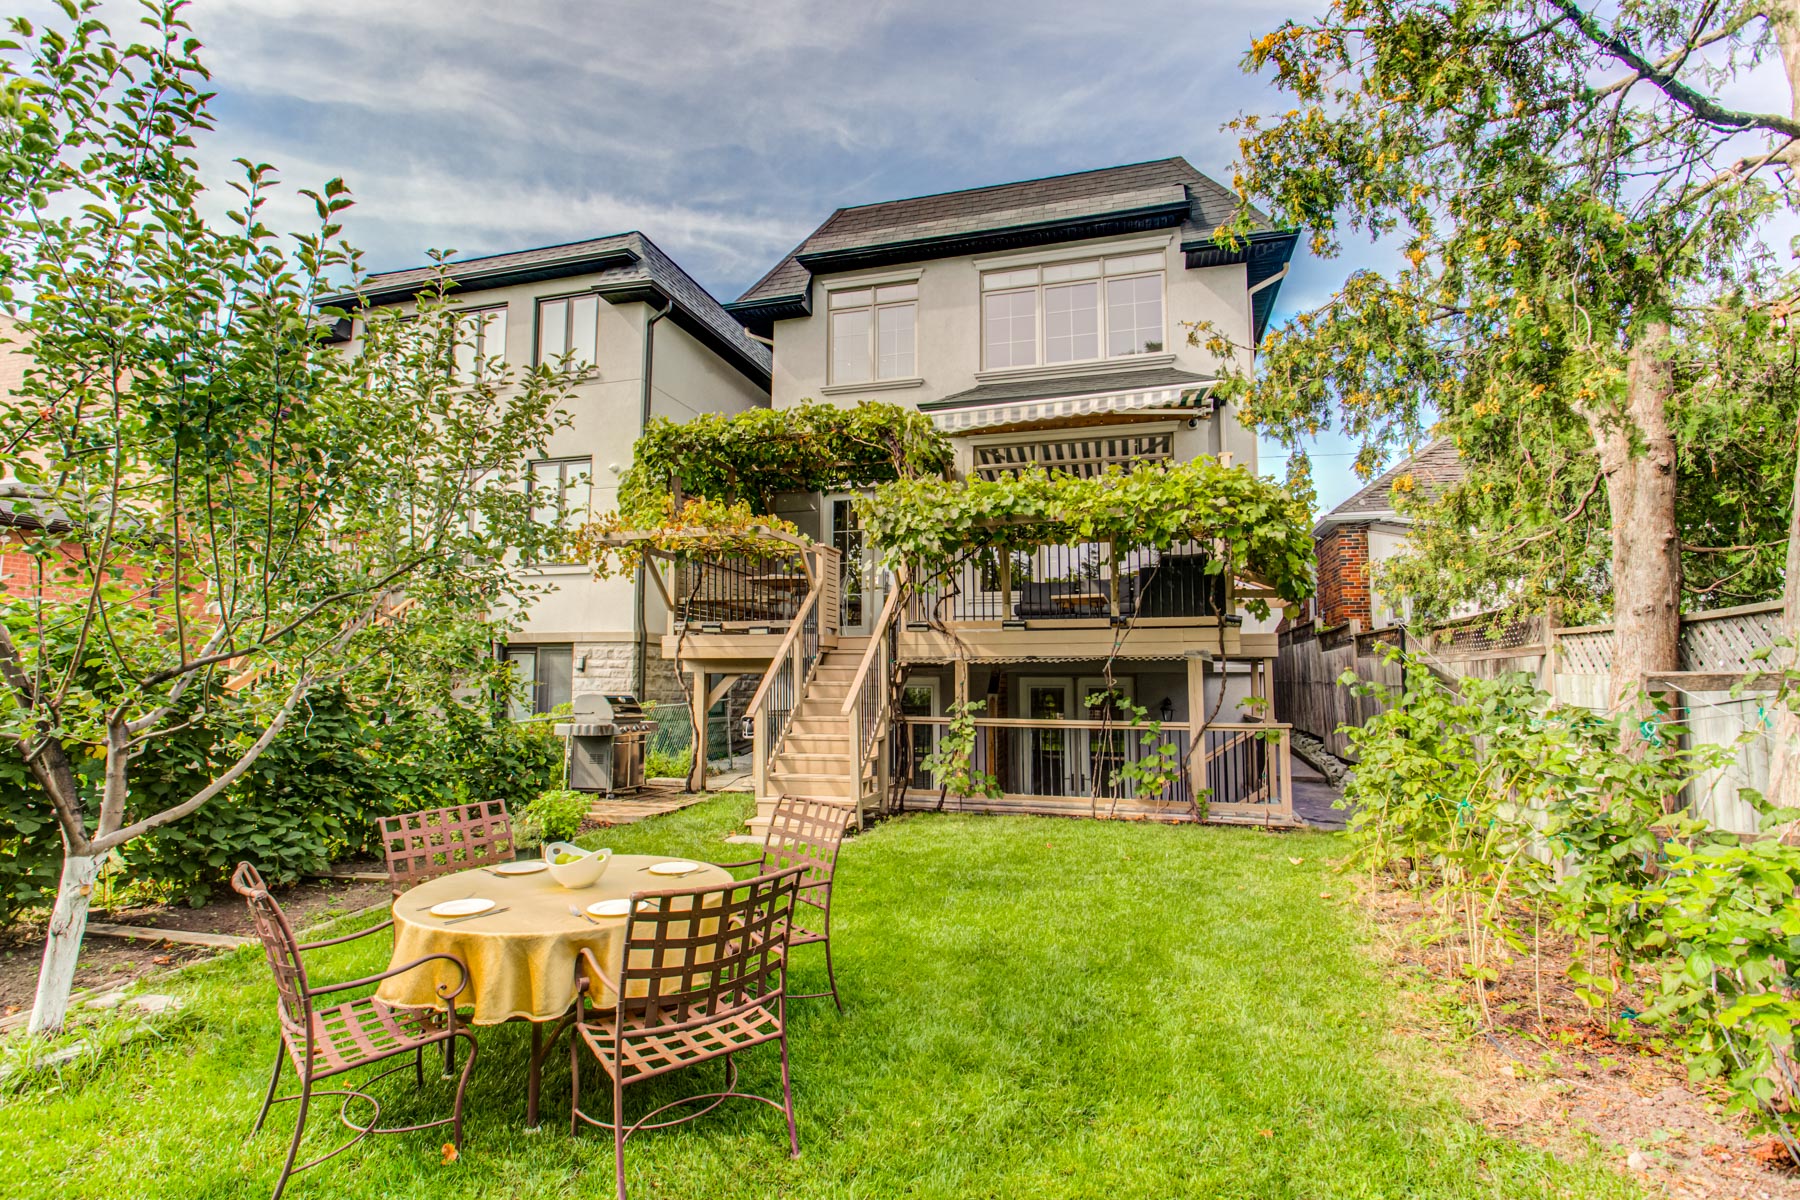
{"x": 522, "y": 961}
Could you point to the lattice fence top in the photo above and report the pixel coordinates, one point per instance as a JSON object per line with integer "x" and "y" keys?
{"x": 1588, "y": 653}
{"x": 1727, "y": 643}
{"x": 1484, "y": 634}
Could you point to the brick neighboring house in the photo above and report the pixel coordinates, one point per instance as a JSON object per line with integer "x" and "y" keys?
{"x": 1366, "y": 530}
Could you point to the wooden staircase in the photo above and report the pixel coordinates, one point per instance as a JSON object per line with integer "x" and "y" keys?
{"x": 814, "y": 759}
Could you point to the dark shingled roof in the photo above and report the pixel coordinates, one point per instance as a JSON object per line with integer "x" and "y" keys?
{"x": 1433, "y": 469}
{"x": 627, "y": 266}
{"x": 1169, "y": 187}
{"x": 1074, "y": 385}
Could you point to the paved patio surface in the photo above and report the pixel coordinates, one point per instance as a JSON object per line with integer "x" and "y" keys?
{"x": 1313, "y": 796}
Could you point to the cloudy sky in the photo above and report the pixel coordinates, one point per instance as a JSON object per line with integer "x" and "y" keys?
{"x": 724, "y": 129}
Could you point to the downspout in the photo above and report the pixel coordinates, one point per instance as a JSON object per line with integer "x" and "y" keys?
{"x": 640, "y": 622}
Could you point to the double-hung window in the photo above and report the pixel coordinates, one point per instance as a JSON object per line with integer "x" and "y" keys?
{"x": 874, "y": 333}
{"x": 1070, "y": 312}
{"x": 568, "y": 325}
{"x": 480, "y": 343}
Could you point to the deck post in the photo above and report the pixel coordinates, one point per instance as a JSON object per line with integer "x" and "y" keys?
{"x": 1112, "y": 566}
{"x": 1196, "y": 703}
{"x": 1005, "y": 584}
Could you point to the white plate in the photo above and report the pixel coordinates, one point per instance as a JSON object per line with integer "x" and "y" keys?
{"x": 529, "y": 866}
{"x": 461, "y": 908}
{"x": 674, "y": 868}
{"x": 618, "y": 907}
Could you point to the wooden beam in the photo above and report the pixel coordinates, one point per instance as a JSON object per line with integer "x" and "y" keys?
{"x": 142, "y": 933}
{"x": 1706, "y": 681}
{"x": 718, "y": 693}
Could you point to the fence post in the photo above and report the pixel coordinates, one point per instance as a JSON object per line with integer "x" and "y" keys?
{"x": 1547, "y": 669}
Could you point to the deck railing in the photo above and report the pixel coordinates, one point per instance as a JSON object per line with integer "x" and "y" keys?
{"x": 1076, "y": 766}
{"x": 771, "y": 709}
{"x": 1085, "y": 580}
{"x": 741, "y": 590}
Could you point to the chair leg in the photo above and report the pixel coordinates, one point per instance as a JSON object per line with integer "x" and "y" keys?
{"x": 450, "y": 1054}
{"x": 456, "y": 1113}
{"x": 574, "y": 1082}
{"x": 830, "y": 974}
{"x": 269, "y": 1096}
{"x": 618, "y": 1121}
{"x": 787, "y": 1100}
{"x": 419, "y": 1067}
{"x": 287, "y": 1168}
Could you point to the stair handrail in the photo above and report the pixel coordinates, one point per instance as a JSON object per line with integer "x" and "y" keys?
{"x": 781, "y": 654}
{"x": 894, "y": 600}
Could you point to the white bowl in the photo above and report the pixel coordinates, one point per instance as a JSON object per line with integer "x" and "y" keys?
{"x": 583, "y": 872}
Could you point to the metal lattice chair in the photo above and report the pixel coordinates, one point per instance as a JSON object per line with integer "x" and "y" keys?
{"x": 322, "y": 1042}
{"x": 702, "y": 979}
{"x": 807, "y": 834}
{"x": 436, "y": 841}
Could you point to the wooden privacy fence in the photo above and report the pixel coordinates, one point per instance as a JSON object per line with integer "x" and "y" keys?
{"x": 1572, "y": 663}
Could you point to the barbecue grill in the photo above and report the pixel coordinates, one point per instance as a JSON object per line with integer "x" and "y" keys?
{"x": 606, "y": 737}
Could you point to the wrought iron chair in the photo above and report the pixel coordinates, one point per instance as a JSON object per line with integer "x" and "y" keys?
{"x": 703, "y": 978}
{"x": 324, "y": 1042}
{"x": 436, "y": 841}
{"x": 807, "y": 833}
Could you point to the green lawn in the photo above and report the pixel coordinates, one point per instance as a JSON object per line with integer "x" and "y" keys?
{"x": 1036, "y": 1008}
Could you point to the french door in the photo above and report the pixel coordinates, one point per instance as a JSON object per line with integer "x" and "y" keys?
{"x": 860, "y": 594}
{"x": 1044, "y": 753}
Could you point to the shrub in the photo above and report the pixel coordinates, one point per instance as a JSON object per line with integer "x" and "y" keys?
{"x": 668, "y": 764}
{"x": 558, "y": 813}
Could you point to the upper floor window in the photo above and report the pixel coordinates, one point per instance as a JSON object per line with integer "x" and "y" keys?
{"x": 874, "y": 333}
{"x": 1072, "y": 312}
{"x": 561, "y": 491}
{"x": 568, "y": 325}
{"x": 480, "y": 342}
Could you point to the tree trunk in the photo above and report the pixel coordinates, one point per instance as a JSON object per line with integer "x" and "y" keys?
{"x": 62, "y": 946}
{"x": 1784, "y": 758}
{"x": 1637, "y": 457}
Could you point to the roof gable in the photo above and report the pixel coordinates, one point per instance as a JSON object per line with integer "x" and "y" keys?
{"x": 1166, "y": 193}
{"x": 1433, "y": 469}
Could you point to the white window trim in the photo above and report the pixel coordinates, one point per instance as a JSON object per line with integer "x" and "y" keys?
{"x": 874, "y": 385}
{"x": 1086, "y": 366}
{"x": 1073, "y": 253}
{"x": 873, "y": 308}
{"x": 1078, "y": 365}
{"x": 855, "y": 283}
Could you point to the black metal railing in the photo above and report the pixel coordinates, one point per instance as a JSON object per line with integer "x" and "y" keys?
{"x": 752, "y": 589}
{"x": 1076, "y": 581}
{"x": 1239, "y": 767}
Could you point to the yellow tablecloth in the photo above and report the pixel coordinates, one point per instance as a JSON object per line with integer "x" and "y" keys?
{"x": 521, "y": 962}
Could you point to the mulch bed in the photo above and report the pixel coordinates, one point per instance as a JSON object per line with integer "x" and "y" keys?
{"x": 1556, "y": 1082}
{"x": 109, "y": 962}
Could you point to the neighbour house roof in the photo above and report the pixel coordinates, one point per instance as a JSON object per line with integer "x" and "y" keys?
{"x": 1433, "y": 469}
{"x": 1165, "y": 194}
{"x": 630, "y": 268}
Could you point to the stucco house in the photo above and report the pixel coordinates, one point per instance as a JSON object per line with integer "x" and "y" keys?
{"x": 659, "y": 345}
{"x": 1040, "y": 322}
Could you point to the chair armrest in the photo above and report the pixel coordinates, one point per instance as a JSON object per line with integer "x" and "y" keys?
{"x": 348, "y": 937}
{"x": 401, "y": 970}
{"x": 748, "y": 862}
{"x": 592, "y": 964}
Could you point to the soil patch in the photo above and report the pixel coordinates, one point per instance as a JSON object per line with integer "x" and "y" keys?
{"x": 1566, "y": 1080}
{"x": 109, "y": 962}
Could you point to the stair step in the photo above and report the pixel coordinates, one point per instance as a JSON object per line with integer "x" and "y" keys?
{"x": 812, "y": 764}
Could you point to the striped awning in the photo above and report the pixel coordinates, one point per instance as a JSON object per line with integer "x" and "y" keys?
{"x": 1019, "y": 412}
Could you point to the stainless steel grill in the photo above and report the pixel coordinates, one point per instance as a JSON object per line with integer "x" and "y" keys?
{"x": 606, "y": 736}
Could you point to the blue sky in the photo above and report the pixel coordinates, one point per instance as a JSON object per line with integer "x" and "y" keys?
{"x": 724, "y": 129}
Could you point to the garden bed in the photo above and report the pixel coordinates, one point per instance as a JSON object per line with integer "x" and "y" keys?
{"x": 1568, "y": 1080}
{"x": 108, "y": 962}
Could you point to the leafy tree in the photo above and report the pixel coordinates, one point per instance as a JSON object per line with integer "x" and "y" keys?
{"x": 1578, "y": 206}
{"x": 218, "y": 499}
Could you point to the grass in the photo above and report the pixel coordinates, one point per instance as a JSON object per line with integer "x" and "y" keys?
{"x": 1042, "y": 1008}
